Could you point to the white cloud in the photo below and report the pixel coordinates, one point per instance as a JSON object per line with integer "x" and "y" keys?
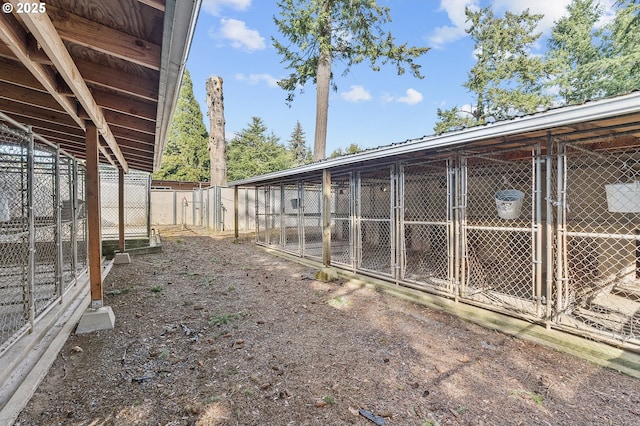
{"x": 412, "y": 97}
{"x": 214, "y": 7}
{"x": 552, "y": 10}
{"x": 255, "y": 79}
{"x": 356, "y": 94}
{"x": 239, "y": 35}
{"x": 455, "y": 12}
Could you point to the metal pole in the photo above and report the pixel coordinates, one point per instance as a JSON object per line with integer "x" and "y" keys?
{"x": 235, "y": 212}
{"x": 549, "y": 236}
{"x": 121, "y": 210}
{"x": 301, "y": 206}
{"x": 58, "y": 224}
{"x": 31, "y": 272}
{"x": 451, "y": 232}
{"x": 538, "y": 227}
{"x": 326, "y": 217}
{"x": 74, "y": 217}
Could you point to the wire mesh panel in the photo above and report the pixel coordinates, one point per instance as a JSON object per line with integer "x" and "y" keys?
{"x": 136, "y": 203}
{"x": 600, "y": 209}
{"x": 499, "y": 230}
{"x": 374, "y": 221}
{"x": 312, "y": 220}
{"x": 262, "y": 198}
{"x": 14, "y": 236}
{"x": 39, "y": 254}
{"x": 292, "y": 208}
{"x": 341, "y": 220}
{"x": 426, "y": 228}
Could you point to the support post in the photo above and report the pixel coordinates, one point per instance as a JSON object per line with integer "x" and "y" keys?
{"x": 326, "y": 217}
{"x": 93, "y": 216}
{"x": 97, "y": 317}
{"x": 121, "y": 210}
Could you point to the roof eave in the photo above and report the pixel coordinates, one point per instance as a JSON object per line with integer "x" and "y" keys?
{"x": 594, "y": 110}
{"x": 179, "y": 26}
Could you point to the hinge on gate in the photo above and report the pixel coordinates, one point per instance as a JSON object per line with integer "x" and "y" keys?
{"x": 553, "y": 202}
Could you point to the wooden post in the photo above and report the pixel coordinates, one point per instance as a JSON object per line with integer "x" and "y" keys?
{"x": 326, "y": 217}
{"x": 217, "y": 147}
{"x": 121, "y": 243}
{"x": 235, "y": 212}
{"x": 93, "y": 216}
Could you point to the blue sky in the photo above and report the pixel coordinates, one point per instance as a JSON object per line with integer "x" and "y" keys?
{"x": 233, "y": 41}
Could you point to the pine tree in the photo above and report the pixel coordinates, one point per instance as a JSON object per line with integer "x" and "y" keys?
{"x": 506, "y": 79}
{"x": 186, "y": 156}
{"x": 300, "y": 153}
{"x": 322, "y": 31}
{"x": 254, "y": 152}
{"x": 573, "y": 51}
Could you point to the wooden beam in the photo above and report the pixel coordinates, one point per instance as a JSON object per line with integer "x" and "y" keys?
{"x": 236, "y": 232}
{"x": 43, "y": 30}
{"x": 13, "y": 93}
{"x": 92, "y": 187}
{"x": 13, "y": 36}
{"x": 118, "y": 103}
{"x": 114, "y": 79}
{"x": 84, "y": 32}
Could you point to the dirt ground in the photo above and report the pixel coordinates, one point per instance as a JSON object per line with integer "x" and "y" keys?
{"x": 217, "y": 332}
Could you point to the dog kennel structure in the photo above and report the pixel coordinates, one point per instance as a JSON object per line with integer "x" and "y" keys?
{"x": 536, "y": 217}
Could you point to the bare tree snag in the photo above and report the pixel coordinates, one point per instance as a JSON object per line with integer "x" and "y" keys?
{"x": 217, "y": 145}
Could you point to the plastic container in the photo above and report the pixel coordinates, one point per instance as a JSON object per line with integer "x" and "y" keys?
{"x": 623, "y": 197}
{"x": 509, "y": 203}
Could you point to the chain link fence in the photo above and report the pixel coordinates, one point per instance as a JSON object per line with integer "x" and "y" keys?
{"x": 137, "y": 186}
{"x": 599, "y": 227}
{"x": 42, "y": 230}
{"x": 546, "y": 233}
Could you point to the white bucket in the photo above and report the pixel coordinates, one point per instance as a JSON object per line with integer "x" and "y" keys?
{"x": 509, "y": 203}
{"x": 623, "y": 197}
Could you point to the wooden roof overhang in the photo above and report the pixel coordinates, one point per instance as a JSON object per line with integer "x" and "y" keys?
{"x": 604, "y": 124}
{"x": 115, "y": 63}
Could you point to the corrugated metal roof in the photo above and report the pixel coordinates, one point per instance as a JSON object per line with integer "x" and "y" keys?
{"x": 610, "y": 116}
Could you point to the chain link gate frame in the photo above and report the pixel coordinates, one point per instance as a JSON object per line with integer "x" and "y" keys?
{"x": 447, "y": 225}
{"x": 598, "y": 210}
{"x": 426, "y": 235}
{"x": 43, "y": 244}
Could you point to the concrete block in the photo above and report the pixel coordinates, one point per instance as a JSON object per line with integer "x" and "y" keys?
{"x": 121, "y": 258}
{"x": 96, "y": 319}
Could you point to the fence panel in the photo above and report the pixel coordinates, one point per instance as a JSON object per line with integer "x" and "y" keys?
{"x": 41, "y": 248}
{"x": 426, "y": 241}
{"x": 375, "y": 221}
{"x": 600, "y": 251}
{"x": 500, "y": 230}
{"x": 136, "y": 199}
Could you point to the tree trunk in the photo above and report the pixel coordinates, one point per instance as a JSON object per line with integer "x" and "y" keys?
{"x": 217, "y": 144}
{"x": 323, "y": 81}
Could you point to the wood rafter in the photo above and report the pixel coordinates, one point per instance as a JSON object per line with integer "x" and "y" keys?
{"x": 17, "y": 39}
{"x": 76, "y": 29}
{"x": 45, "y": 33}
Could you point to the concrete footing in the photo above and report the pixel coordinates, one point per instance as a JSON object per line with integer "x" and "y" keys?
{"x": 121, "y": 258}
{"x": 96, "y": 319}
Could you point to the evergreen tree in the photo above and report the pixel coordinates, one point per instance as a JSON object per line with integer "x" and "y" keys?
{"x": 186, "y": 155}
{"x": 321, "y": 31}
{"x": 506, "y": 79}
{"x": 573, "y": 51}
{"x": 300, "y": 154}
{"x": 351, "y": 149}
{"x": 253, "y": 152}
{"x": 620, "y": 66}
